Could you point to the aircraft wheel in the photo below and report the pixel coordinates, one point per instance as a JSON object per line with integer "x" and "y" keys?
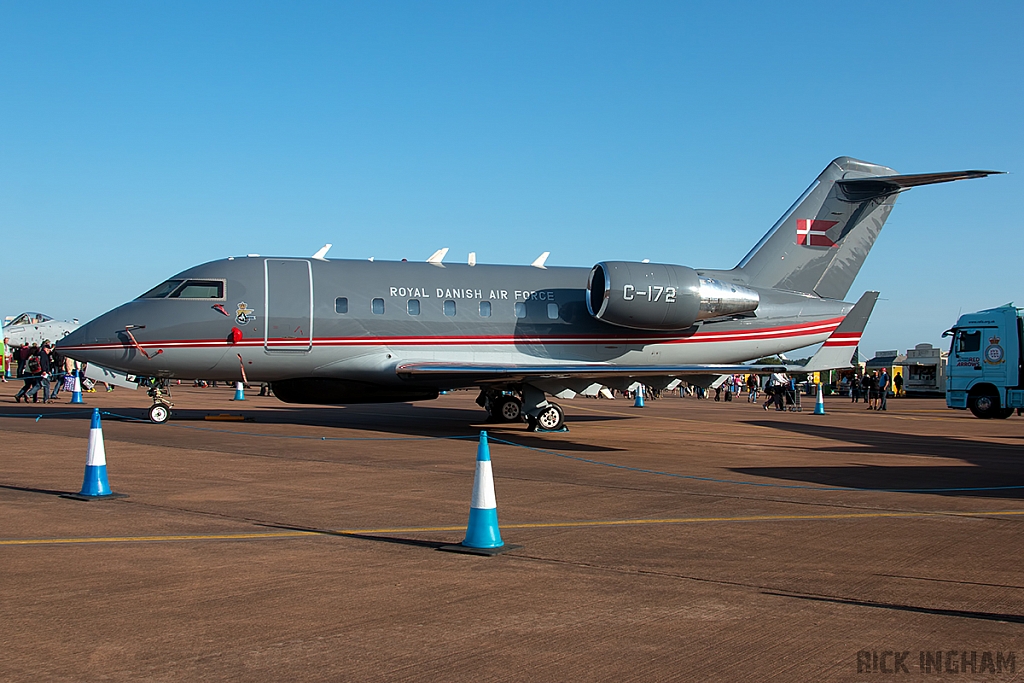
{"x": 551, "y": 418}
{"x": 159, "y": 413}
{"x": 984, "y": 406}
{"x": 509, "y": 409}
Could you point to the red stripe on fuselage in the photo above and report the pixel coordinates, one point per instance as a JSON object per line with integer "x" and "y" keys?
{"x": 762, "y": 334}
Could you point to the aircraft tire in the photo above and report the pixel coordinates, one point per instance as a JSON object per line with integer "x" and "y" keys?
{"x": 551, "y": 418}
{"x": 508, "y": 409}
{"x": 159, "y": 413}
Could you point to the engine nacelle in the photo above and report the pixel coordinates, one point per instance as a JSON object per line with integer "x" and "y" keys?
{"x": 661, "y": 296}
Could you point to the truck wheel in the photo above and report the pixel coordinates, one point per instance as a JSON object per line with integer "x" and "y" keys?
{"x": 984, "y": 406}
{"x": 1004, "y": 413}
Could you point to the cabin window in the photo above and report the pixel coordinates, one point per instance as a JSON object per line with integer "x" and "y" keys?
{"x": 553, "y": 311}
{"x": 485, "y": 309}
{"x": 449, "y": 307}
{"x": 162, "y": 290}
{"x": 341, "y": 305}
{"x": 377, "y": 306}
{"x": 969, "y": 342}
{"x": 414, "y": 306}
{"x": 200, "y": 289}
{"x": 520, "y": 309}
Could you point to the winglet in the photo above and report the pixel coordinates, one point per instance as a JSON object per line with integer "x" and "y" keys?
{"x": 837, "y": 351}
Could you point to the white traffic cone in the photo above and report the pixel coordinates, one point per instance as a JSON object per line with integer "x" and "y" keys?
{"x": 639, "y": 401}
{"x": 239, "y": 392}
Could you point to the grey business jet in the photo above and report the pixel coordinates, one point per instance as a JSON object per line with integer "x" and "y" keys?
{"x": 326, "y": 331}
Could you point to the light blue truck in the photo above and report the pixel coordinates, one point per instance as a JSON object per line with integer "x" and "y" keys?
{"x": 985, "y": 372}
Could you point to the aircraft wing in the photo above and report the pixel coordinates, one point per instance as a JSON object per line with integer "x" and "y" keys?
{"x": 836, "y": 352}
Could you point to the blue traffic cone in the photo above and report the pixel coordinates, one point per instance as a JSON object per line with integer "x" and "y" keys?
{"x": 482, "y": 534}
{"x": 95, "y": 485}
{"x": 482, "y": 531}
{"x": 76, "y": 392}
{"x": 239, "y": 392}
{"x": 639, "y": 402}
{"x": 819, "y": 406}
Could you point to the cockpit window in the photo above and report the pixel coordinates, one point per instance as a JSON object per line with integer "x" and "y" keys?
{"x": 187, "y": 289}
{"x": 30, "y": 319}
{"x": 200, "y": 289}
{"x": 162, "y": 290}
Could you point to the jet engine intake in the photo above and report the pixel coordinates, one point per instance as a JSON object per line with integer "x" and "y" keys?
{"x": 660, "y": 296}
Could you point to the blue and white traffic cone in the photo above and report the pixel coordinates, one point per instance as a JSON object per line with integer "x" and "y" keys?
{"x": 95, "y": 485}
{"x": 639, "y": 401}
{"x": 819, "y": 406}
{"x": 76, "y": 392}
{"x": 482, "y": 534}
{"x": 239, "y": 392}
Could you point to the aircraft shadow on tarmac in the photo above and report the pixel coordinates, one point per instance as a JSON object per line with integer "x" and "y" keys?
{"x": 397, "y": 419}
{"x": 995, "y": 465}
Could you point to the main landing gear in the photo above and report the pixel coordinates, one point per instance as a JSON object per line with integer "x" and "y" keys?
{"x": 523, "y": 403}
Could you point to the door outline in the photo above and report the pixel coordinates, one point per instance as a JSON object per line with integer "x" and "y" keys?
{"x": 299, "y": 347}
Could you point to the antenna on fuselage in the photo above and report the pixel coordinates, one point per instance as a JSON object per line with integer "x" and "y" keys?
{"x": 646, "y": 260}
{"x": 437, "y": 257}
{"x": 539, "y": 261}
{"x": 319, "y": 256}
{"x": 472, "y": 258}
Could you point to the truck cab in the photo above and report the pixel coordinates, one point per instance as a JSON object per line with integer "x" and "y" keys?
{"x": 985, "y": 373}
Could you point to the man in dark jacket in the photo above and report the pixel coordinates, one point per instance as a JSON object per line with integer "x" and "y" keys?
{"x": 43, "y": 382}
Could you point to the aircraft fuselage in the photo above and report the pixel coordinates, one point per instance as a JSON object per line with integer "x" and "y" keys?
{"x": 359, "y": 320}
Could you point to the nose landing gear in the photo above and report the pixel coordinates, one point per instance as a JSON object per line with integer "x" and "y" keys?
{"x": 160, "y": 411}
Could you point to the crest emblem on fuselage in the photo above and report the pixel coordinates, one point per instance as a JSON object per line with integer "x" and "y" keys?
{"x": 244, "y": 315}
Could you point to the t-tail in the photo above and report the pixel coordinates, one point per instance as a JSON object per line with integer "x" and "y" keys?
{"x": 819, "y": 245}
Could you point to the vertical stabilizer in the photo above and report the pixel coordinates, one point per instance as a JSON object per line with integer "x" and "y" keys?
{"x": 819, "y": 245}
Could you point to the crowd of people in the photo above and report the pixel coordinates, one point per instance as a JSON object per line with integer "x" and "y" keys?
{"x": 41, "y": 369}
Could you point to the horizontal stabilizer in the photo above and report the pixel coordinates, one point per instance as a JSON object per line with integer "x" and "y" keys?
{"x": 837, "y": 351}
{"x": 860, "y": 189}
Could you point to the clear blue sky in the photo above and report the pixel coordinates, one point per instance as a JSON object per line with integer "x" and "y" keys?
{"x": 141, "y": 138}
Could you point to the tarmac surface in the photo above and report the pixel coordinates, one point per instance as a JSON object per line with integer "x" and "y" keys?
{"x": 688, "y": 540}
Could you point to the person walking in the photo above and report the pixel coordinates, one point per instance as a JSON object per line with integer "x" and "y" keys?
{"x": 5, "y": 358}
{"x": 897, "y": 382}
{"x": 28, "y": 370}
{"x": 43, "y": 381}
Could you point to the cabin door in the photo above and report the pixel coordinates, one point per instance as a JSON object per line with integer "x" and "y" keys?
{"x": 288, "y": 302}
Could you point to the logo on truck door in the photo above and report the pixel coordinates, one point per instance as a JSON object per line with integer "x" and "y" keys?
{"x": 994, "y": 352}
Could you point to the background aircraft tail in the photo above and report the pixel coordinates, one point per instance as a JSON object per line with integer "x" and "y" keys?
{"x": 819, "y": 245}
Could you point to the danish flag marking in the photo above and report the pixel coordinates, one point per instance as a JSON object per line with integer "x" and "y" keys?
{"x": 811, "y": 233}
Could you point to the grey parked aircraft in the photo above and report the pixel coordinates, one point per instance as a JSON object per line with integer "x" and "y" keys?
{"x": 344, "y": 331}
